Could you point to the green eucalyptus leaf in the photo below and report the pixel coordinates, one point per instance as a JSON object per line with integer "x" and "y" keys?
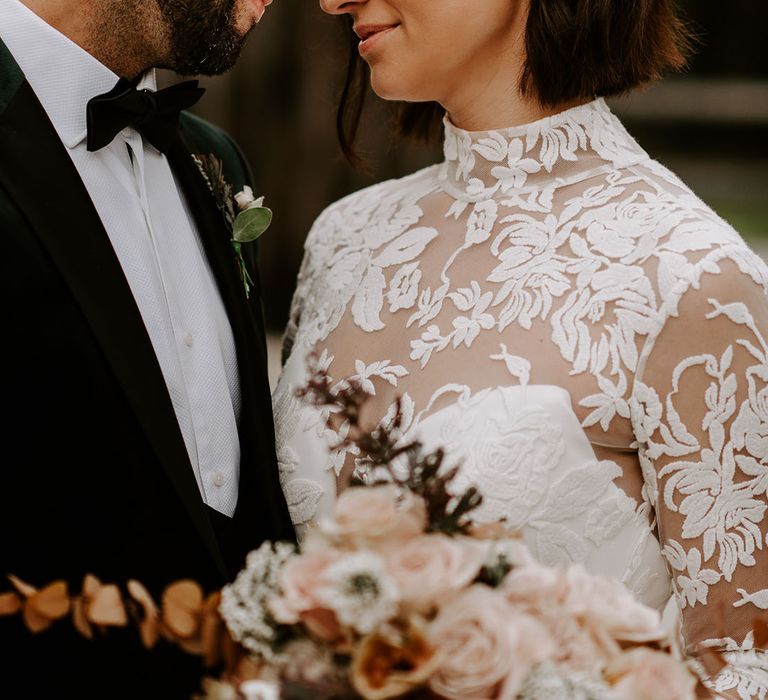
{"x": 251, "y": 223}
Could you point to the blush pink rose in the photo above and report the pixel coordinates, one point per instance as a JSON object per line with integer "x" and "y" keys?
{"x": 371, "y": 515}
{"x": 607, "y": 606}
{"x": 578, "y": 648}
{"x": 644, "y": 674}
{"x": 588, "y": 615}
{"x": 484, "y": 647}
{"x": 543, "y": 592}
{"x": 300, "y": 579}
{"x": 533, "y": 586}
{"x": 431, "y": 568}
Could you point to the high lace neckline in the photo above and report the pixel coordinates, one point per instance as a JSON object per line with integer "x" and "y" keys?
{"x": 561, "y": 149}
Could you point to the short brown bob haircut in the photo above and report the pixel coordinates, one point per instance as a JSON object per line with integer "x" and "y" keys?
{"x": 574, "y": 49}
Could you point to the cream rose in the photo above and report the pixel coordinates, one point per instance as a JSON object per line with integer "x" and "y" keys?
{"x": 644, "y": 674}
{"x": 430, "y": 568}
{"x": 484, "y": 647}
{"x": 373, "y": 515}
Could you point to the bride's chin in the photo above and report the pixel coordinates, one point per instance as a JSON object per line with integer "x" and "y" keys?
{"x": 386, "y": 94}
{"x": 390, "y": 89}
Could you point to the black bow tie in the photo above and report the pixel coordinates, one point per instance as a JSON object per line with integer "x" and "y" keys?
{"x": 154, "y": 114}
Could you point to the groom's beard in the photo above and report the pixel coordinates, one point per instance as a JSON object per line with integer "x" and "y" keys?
{"x": 202, "y": 34}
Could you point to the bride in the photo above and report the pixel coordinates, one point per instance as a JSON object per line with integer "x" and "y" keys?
{"x": 556, "y": 309}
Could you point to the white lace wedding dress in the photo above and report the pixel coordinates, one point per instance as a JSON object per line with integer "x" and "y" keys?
{"x": 587, "y": 337}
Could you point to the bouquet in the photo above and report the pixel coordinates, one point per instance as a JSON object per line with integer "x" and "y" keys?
{"x": 382, "y": 603}
{"x": 399, "y": 593}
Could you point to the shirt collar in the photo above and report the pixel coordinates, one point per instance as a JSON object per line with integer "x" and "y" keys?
{"x": 62, "y": 74}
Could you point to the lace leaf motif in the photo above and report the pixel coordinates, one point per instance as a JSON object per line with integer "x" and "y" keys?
{"x": 714, "y": 475}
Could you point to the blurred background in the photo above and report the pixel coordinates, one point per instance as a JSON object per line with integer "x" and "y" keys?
{"x": 710, "y": 125}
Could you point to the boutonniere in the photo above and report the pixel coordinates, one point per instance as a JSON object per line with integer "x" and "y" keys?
{"x": 246, "y": 216}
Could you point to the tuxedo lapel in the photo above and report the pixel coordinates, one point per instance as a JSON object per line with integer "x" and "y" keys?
{"x": 11, "y": 77}
{"x": 39, "y": 176}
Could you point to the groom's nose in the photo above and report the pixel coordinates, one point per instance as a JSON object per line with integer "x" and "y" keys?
{"x": 339, "y": 7}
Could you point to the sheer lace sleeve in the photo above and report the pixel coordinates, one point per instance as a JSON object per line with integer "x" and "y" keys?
{"x": 700, "y": 415}
{"x": 299, "y": 298}
{"x": 294, "y": 317}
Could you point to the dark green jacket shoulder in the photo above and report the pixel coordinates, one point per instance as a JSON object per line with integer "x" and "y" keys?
{"x": 205, "y": 138}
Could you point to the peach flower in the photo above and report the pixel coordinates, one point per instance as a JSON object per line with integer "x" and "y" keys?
{"x": 370, "y": 515}
{"x": 323, "y": 624}
{"x": 485, "y": 648}
{"x": 392, "y": 662}
{"x": 644, "y": 674}
{"x": 430, "y": 568}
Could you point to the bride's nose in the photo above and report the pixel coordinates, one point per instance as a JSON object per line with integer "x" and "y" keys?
{"x": 339, "y": 7}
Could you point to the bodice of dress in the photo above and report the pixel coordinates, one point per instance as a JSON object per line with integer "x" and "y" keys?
{"x": 584, "y": 336}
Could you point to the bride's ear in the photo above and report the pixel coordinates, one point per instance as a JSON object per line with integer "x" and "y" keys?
{"x": 599, "y": 48}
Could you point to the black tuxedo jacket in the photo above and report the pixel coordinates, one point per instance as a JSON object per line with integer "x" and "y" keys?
{"x": 95, "y": 474}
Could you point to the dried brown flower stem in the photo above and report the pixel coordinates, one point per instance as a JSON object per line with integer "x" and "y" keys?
{"x": 381, "y": 447}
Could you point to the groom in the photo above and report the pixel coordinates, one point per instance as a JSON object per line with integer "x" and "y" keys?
{"x": 137, "y": 439}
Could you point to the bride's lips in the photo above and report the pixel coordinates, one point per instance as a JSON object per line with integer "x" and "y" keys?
{"x": 371, "y": 34}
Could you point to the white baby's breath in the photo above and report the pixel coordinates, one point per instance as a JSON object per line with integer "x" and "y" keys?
{"x": 243, "y": 602}
{"x": 260, "y": 690}
{"x": 360, "y": 592}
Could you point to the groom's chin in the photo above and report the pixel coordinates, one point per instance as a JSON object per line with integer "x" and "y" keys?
{"x": 216, "y": 60}
{"x": 218, "y": 68}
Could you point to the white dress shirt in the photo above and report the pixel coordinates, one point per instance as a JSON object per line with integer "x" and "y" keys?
{"x": 156, "y": 242}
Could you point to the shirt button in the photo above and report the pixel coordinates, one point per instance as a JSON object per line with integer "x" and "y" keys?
{"x": 218, "y": 479}
{"x": 188, "y": 339}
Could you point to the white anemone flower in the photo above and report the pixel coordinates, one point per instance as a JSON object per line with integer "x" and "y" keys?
{"x": 360, "y": 592}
